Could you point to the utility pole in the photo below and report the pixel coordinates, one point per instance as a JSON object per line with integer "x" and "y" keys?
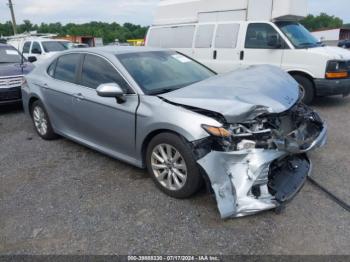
{"x": 14, "y": 26}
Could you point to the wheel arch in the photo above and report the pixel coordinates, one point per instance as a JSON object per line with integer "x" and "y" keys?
{"x": 149, "y": 138}
{"x": 301, "y": 73}
{"x": 31, "y": 101}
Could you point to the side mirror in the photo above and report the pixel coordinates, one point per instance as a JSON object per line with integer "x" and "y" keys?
{"x": 32, "y": 59}
{"x": 274, "y": 42}
{"x": 111, "y": 90}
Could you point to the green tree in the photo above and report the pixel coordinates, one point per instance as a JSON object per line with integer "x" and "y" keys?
{"x": 27, "y": 26}
{"x": 108, "y": 31}
{"x": 322, "y": 21}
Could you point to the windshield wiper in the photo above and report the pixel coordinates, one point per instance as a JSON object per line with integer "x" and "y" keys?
{"x": 301, "y": 45}
{"x": 160, "y": 91}
{"x": 169, "y": 89}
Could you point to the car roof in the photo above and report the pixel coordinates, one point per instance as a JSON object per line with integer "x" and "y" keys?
{"x": 42, "y": 39}
{"x": 116, "y": 50}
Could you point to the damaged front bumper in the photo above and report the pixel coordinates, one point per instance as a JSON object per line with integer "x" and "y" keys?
{"x": 253, "y": 180}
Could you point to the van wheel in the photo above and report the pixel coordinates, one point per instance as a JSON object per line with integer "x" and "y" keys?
{"x": 171, "y": 164}
{"x": 41, "y": 121}
{"x": 307, "y": 88}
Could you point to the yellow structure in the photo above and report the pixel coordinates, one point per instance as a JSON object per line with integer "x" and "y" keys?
{"x": 136, "y": 42}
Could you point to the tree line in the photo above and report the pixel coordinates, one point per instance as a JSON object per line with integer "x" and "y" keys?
{"x": 322, "y": 21}
{"x": 108, "y": 31}
{"x": 111, "y": 31}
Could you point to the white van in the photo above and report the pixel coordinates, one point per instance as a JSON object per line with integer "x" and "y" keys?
{"x": 38, "y": 48}
{"x": 252, "y": 32}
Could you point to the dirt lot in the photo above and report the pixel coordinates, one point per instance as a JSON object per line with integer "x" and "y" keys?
{"x": 61, "y": 198}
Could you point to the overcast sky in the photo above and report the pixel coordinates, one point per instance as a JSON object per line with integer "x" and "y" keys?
{"x": 134, "y": 11}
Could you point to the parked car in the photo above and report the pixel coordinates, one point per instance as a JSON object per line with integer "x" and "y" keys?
{"x": 241, "y": 33}
{"x": 40, "y": 48}
{"x": 77, "y": 45}
{"x": 12, "y": 68}
{"x": 246, "y": 132}
{"x": 344, "y": 43}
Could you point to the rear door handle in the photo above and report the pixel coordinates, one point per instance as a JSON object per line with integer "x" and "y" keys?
{"x": 215, "y": 54}
{"x": 79, "y": 96}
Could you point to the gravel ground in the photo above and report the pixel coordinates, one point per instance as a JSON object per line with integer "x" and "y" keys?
{"x": 61, "y": 198}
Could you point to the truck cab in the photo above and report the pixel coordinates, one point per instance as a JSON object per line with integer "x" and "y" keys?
{"x": 39, "y": 48}
{"x": 224, "y": 43}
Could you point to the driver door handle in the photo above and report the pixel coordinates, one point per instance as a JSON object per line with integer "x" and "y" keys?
{"x": 43, "y": 85}
{"x": 79, "y": 96}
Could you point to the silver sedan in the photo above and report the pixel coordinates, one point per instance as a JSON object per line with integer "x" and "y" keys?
{"x": 244, "y": 134}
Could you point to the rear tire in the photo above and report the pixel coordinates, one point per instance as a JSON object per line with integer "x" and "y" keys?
{"x": 307, "y": 88}
{"x": 171, "y": 164}
{"x": 42, "y": 122}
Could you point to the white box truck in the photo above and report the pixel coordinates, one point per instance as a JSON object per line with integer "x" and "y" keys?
{"x": 227, "y": 34}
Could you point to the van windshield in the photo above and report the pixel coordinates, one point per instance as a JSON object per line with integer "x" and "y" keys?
{"x": 298, "y": 35}
{"x": 54, "y": 46}
{"x": 159, "y": 72}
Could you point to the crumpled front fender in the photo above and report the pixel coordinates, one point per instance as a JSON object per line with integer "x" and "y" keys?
{"x": 234, "y": 174}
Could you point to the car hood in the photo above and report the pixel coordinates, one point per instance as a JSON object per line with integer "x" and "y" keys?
{"x": 241, "y": 95}
{"x": 14, "y": 69}
{"x": 331, "y": 52}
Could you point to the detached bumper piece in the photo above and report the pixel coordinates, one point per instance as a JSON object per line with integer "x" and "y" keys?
{"x": 246, "y": 183}
{"x": 251, "y": 180}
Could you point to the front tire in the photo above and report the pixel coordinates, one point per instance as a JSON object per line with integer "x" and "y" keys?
{"x": 307, "y": 87}
{"x": 41, "y": 121}
{"x": 171, "y": 164}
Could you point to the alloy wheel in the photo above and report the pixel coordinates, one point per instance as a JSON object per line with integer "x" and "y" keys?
{"x": 169, "y": 167}
{"x": 40, "y": 120}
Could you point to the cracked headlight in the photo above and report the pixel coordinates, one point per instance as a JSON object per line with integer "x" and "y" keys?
{"x": 217, "y": 131}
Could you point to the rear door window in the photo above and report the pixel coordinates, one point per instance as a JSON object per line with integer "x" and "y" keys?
{"x": 51, "y": 69}
{"x": 66, "y": 67}
{"x": 26, "y": 47}
{"x": 97, "y": 70}
{"x": 204, "y": 36}
{"x": 226, "y": 36}
{"x": 172, "y": 37}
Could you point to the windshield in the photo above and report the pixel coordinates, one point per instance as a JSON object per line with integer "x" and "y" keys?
{"x": 54, "y": 46}
{"x": 9, "y": 55}
{"x": 298, "y": 35}
{"x": 163, "y": 71}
